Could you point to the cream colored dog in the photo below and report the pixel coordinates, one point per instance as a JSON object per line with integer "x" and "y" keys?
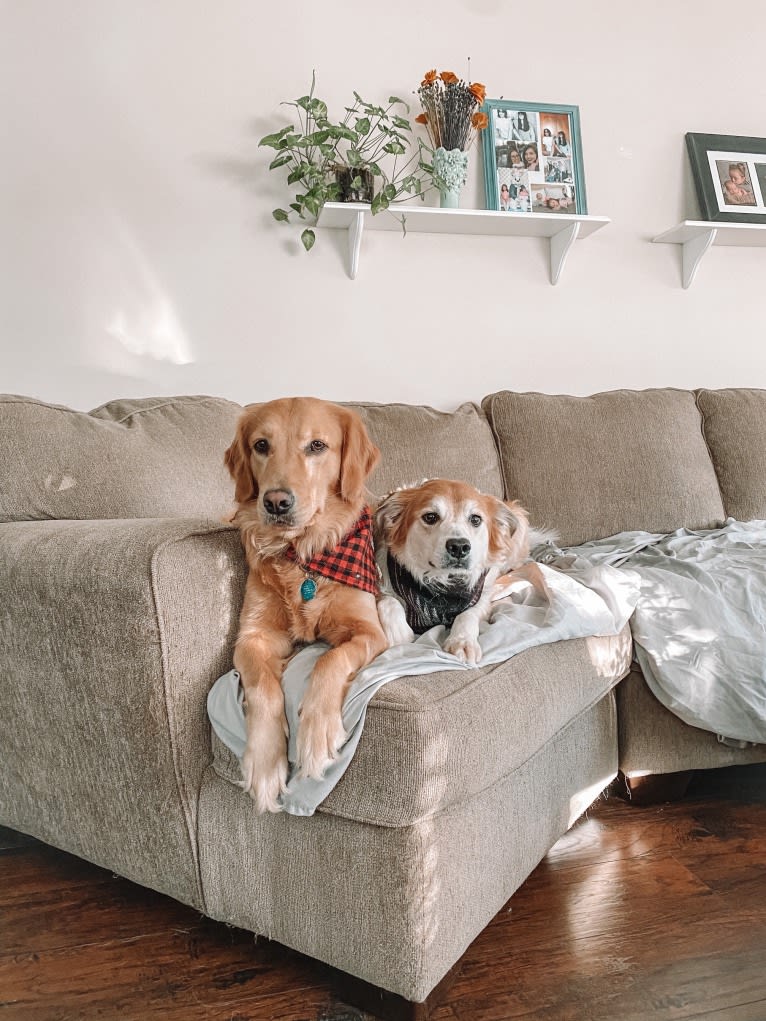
{"x": 447, "y": 553}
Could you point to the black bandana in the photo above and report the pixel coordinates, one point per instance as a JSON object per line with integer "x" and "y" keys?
{"x": 424, "y": 607}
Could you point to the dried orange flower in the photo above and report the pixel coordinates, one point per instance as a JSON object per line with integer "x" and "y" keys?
{"x": 450, "y": 113}
{"x": 478, "y": 90}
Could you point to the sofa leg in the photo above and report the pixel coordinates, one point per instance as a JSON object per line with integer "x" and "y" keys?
{"x": 390, "y": 1006}
{"x": 656, "y": 787}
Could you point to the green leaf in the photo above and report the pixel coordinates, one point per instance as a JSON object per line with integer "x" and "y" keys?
{"x": 400, "y": 122}
{"x": 353, "y": 158}
{"x": 362, "y": 125}
{"x": 298, "y": 209}
{"x": 308, "y": 238}
{"x": 312, "y": 203}
{"x": 395, "y": 148}
{"x": 276, "y": 138}
{"x": 317, "y": 137}
{"x": 356, "y": 182}
{"x": 295, "y": 175}
{"x": 379, "y": 202}
{"x": 347, "y": 133}
{"x": 280, "y": 160}
{"x": 304, "y": 102}
{"x": 281, "y": 215}
{"x": 318, "y": 108}
{"x": 389, "y": 192}
{"x": 395, "y": 99}
{"x": 374, "y": 169}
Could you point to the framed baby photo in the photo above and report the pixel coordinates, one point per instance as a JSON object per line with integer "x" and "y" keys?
{"x": 730, "y": 176}
{"x": 533, "y": 158}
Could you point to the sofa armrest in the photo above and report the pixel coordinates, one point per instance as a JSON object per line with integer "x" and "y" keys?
{"x": 111, "y": 634}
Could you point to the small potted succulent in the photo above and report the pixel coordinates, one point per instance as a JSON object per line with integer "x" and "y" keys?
{"x": 358, "y": 159}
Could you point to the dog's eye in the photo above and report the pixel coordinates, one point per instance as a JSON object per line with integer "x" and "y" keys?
{"x": 430, "y": 517}
{"x": 475, "y": 520}
{"x": 317, "y": 446}
{"x": 261, "y": 446}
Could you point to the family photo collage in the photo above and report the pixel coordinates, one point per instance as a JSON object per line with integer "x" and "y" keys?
{"x": 534, "y": 161}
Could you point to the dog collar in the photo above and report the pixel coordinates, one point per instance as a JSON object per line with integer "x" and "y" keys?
{"x": 351, "y": 562}
{"x": 425, "y": 607}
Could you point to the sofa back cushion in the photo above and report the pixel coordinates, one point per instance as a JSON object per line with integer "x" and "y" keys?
{"x": 149, "y": 458}
{"x": 417, "y": 442}
{"x": 589, "y": 467}
{"x": 734, "y": 423}
{"x": 163, "y": 457}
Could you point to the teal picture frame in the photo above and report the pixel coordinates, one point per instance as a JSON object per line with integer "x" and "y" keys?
{"x": 553, "y": 183}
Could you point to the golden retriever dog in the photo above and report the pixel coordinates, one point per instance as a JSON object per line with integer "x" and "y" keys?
{"x": 447, "y": 553}
{"x": 300, "y": 467}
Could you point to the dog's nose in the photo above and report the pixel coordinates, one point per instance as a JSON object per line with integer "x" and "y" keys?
{"x": 278, "y": 501}
{"x": 458, "y": 548}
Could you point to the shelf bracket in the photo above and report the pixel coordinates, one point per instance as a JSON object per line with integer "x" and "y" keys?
{"x": 692, "y": 252}
{"x": 560, "y": 245}
{"x": 355, "y": 230}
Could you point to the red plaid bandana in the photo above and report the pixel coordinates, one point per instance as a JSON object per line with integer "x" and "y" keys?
{"x": 351, "y": 562}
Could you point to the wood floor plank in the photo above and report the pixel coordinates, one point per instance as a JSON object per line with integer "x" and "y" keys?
{"x": 156, "y": 975}
{"x": 638, "y": 914}
{"x": 68, "y": 918}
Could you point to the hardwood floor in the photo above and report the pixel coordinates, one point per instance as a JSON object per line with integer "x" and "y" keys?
{"x": 637, "y": 913}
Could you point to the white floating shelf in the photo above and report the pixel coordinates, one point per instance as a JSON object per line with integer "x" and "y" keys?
{"x": 562, "y": 229}
{"x": 696, "y": 236}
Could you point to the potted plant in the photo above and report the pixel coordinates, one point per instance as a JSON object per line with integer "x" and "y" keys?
{"x": 356, "y": 159}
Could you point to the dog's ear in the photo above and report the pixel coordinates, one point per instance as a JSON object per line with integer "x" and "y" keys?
{"x": 509, "y": 533}
{"x": 237, "y": 460}
{"x": 388, "y": 512}
{"x": 358, "y": 457}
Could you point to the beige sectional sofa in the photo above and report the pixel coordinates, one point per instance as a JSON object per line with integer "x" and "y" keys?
{"x": 121, "y": 589}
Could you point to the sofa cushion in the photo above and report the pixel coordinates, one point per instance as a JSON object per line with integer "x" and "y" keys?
{"x": 734, "y": 423}
{"x": 150, "y": 458}
{"x": 418, "y": 442}
{"x": 590, "y": 467}
{"x": 163, "y": 457}
{"x": 432, "y": 742}
{"x": 654, "y": 740}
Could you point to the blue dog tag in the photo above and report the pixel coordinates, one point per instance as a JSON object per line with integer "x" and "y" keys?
{"x": 308, "y": 590}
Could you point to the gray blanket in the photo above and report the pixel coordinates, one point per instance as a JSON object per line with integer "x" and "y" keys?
{"x": 585, "y": 600}
{"x": 700, "y": 623}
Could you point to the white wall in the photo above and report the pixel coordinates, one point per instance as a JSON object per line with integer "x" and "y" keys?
{"x": 139, "y": 255}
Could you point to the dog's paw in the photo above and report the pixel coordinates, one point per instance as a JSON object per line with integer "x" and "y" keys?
{"x": 394, "y": 622}
{"x": 465, "y": 649}
{"x": 321, "y": 735}
{"x": 264, "y": 767}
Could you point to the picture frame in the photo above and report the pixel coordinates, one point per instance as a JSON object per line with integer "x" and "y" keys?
{"x": 729, "y": 174}
{"x": 553, "y": 182}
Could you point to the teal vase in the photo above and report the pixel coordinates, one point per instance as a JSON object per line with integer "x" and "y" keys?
{"x": 450, "y": 173}
{"x": 449, "y": 198}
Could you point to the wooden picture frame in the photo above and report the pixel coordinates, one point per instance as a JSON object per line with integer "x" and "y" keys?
{"x": 730, "y": 176}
